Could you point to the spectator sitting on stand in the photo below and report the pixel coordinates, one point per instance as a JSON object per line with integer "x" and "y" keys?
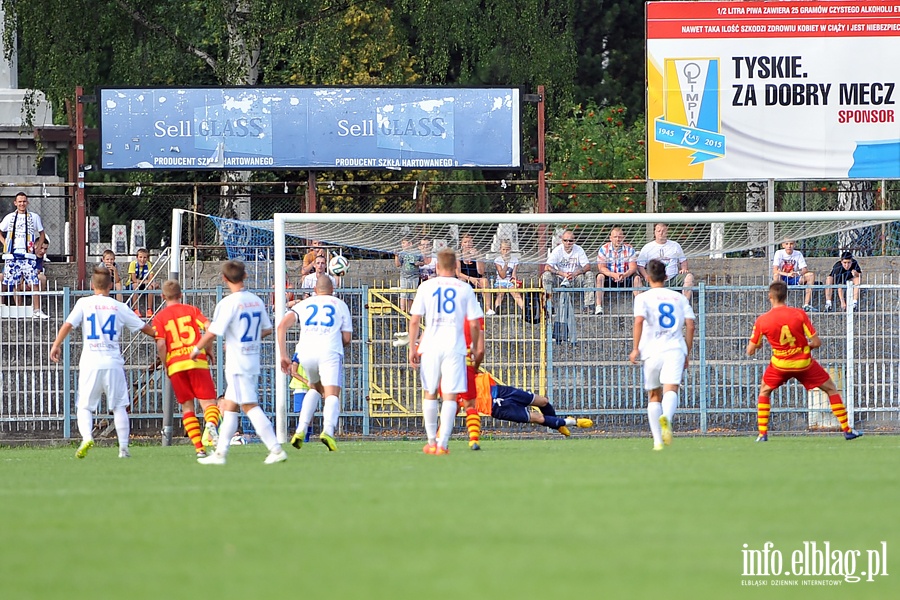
{"x": 616, "y": 266}
{"x": 844, "y": 270}
{"x": 789, "y": 266}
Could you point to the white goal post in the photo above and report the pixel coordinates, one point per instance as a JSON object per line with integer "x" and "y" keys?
{"x": 532, "y": 235}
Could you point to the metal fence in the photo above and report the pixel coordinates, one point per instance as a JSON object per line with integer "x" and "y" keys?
{"x": 590, "y": 377}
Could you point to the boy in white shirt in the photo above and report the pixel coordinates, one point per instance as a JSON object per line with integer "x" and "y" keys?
{"x": 243, "y": 320}
{"x": 326, "y": 329}
{"x": 445, "y": 304}
{"x": 789, "y": 266}
{"x": 658, "y": 341}
{"x": 101, "y": 368}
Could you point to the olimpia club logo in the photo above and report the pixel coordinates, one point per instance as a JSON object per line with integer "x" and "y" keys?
{"x": 812, "y": 564}
{"x": 691, "y": 118}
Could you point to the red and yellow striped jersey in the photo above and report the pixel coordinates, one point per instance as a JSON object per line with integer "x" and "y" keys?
{"x": 180, "y": 326}
{"x": 788, "y": 330}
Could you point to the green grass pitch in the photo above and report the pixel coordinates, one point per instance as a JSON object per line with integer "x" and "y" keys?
{"x": 555, "y": 518}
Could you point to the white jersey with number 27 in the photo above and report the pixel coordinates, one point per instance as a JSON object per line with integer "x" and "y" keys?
{"x": 241, "y": 318}
{"x": 664, "y": 311}
{"x": 445, "y": 303}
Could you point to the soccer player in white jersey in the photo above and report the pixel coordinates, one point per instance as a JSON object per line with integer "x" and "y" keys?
{"x": 660, "y": 314}
{"x": 444, "y": 303}
{"x": 241, "y": 318}
{"x": 101, "y": 369}
{"x": 325, "y": 329}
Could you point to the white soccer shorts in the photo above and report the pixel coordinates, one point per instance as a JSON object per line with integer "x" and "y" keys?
{"x": 665, "y": 367}
{"x": 329, "y": 368}
{"x": 447, "y": 370}
{"x": 241, "y": 389}
{"x": 94, "y": 382}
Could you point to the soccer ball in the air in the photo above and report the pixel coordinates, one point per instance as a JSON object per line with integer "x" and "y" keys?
{"x": 338, "y": 265}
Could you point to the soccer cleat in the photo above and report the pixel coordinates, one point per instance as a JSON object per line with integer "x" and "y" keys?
{"x": 565, "y": 431}
{"x": 201, "y": 454}
{"x": 39, "y": 314}
{"x": 598, "y": 310}
{"x": 210, "y": 437}
{"x": 297, "y": 439}
{"x": 763, "y": 437}
{"x": 124, "y": 453}
{"x": 666, "y": 430}
{"x": 328, "y": 441}
{"x": 440, "y": 451}
{"x": 83, "y": 448}
{"x": 213, "y": 459}
{"x": 583, "y": 423}
{"x": 430, "y": 448}
{"x": 657, "y": 447}
{"x": 276, "y": 456}
{"x": 852, "y": 434}
{"x": 474, "y": 446}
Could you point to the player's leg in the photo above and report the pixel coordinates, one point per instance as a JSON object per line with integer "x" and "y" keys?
{"x": 652, "y": 367}
{"x": 467, "y": 401}
{"x": 307, "y": 411}
{"x": 453, "y": 381}
{"x": 430, "y": 375}
{"x": 331, "y": 373}
{"x": 772, "y": 379}
{"x": 246, "y": 396}
{"x": 547, "y": 410}
{"x": 816, "y": 372}
{"x": 227, "y": 427}
{"x": 118, "y": 400}
{"x": 88, "y": 401}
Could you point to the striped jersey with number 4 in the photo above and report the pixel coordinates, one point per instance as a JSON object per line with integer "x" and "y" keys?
{"x": 446, "y": 303}
{"x": 788, "y": 330}
{"x": 664, "y": 312}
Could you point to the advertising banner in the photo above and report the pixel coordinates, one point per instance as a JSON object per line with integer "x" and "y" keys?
{"x": 773, "y": 90}
{"x": 310, "y": 128}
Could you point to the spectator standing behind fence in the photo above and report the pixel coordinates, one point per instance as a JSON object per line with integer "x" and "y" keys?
{"x": 567, "y": 266}
{"x": 507, "y": 267}
{"x": 428, "y": 268}
{"x": 408, "y": 261}
{"x": 616, "y": 266}
{"x": 789, "y": 266}
{"x": 109, "y": 261}
{"x": 320, "y": 267}
{"x": 21, "y": 232}
{"x": 844, "y": 270}
{"x": 243, "y": 320}
{"x": 40, "y": 253}
{"x": 669, "y": 253}
{"x": 470, "y": 268}
{"x": 316, "y": 250}
{"x": 101, "y": 368}
{"x": 140, "y": 279}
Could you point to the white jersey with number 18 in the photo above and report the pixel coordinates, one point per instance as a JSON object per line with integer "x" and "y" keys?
{"x": 445, "y": 303}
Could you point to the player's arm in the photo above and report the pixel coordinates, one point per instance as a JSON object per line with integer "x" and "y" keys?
{"x": 756, "y": 341}
{"x": 814, "y": 340}
{"x": 477, "y": 337}
{"x": 161, "y": 350}
{"x": 636, "y": 339}
{"x": 205, "y": 341}
{"x": 56, "y": 350}
{"x": 413, "y": 333}
{"x": 689, "y": 328}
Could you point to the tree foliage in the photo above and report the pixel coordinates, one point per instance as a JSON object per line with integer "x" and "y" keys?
{"x": 593, "y": 143}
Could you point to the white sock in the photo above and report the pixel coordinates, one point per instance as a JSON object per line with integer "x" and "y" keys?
{"x": 330, "y": 413}
{"x": 263, "y": 427}
{"x": 430, "y": 416}
{"x": 654, "y": 411}
{"x": 123, "y": 426}
{"x": 310, "y": 406}
{"x": 227, "y": 428}
{"x": 571, "y": 422}
{"x": 669, "y": 404}
{"x": 449, "y": 408}
{"x": 85, "y": 424}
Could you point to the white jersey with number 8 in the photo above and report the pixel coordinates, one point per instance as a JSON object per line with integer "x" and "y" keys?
{"x": 664, "y": 312}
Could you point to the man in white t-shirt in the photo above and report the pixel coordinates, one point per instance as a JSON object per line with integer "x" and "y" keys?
{"x": 325, "y": 329}
{"x": 101, "y": 368}
{"x": 243, "y": 321}
{"x": 567, "y": 266}
{"x": 320, "y": 268}
{"x": 670, "y": 254}
{"x": 789, "y": 266}
{"x": 21, "y": 232}
{"x": 444, "y": 303}
{"x": 660, "y": 314}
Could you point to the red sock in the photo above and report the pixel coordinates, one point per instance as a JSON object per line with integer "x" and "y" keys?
{"x": 762, "y": 414}
{"x": 840, "y": 411}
